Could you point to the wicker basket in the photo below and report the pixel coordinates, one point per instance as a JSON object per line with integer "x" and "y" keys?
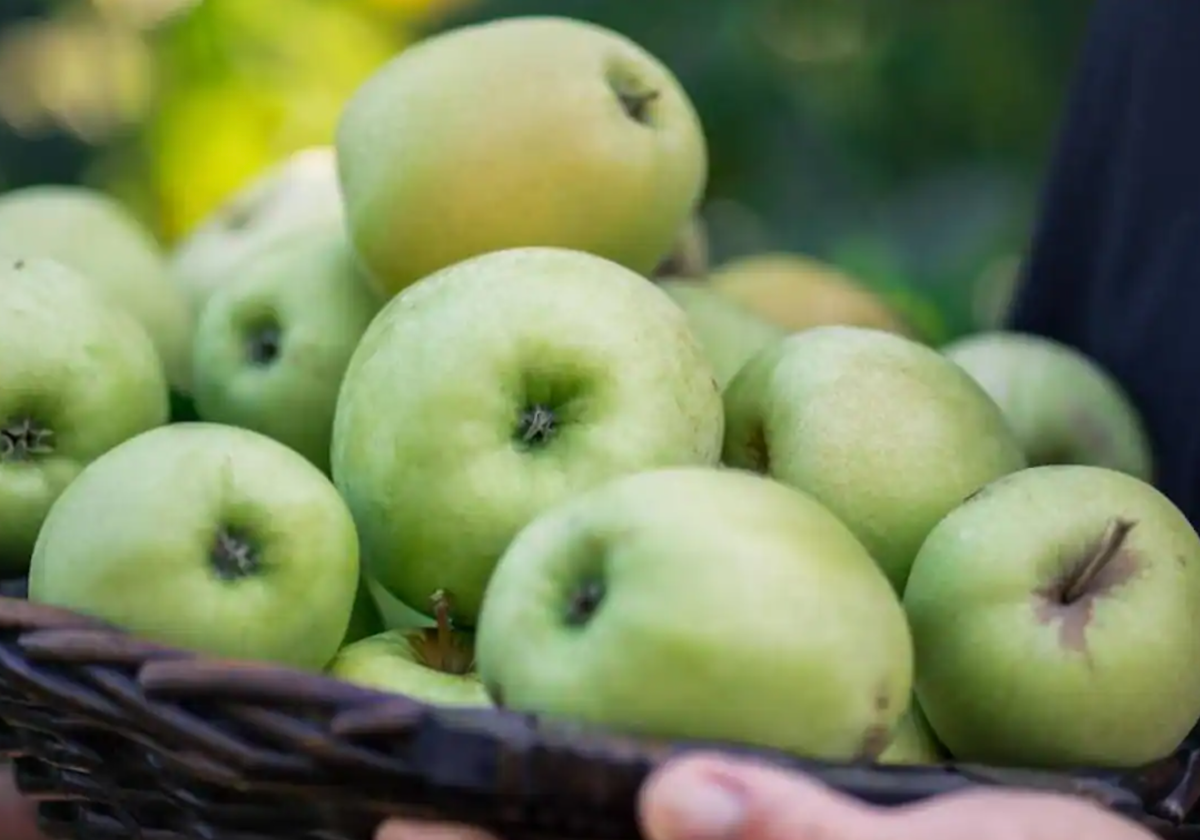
{"x": 119, "y": 739}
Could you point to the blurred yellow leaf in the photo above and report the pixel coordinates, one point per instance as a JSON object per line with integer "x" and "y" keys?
{"x": 412, "y": 8}
{"x": 207, "y": 143}
{"x": 276, "y": 74}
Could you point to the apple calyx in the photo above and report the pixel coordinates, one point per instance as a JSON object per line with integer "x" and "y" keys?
{"x": 537, "y": 426}
{"x": 24, "y": 440}
{"x": 1079, "y": 582}
{"x": 233, "y": 556}
{"x": 265, "y": 345}
{"x": 584, "y": 602}
{"x": 441, "y": 647}
{"x": 637, "y": 105}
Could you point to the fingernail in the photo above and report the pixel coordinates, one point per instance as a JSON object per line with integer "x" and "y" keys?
{"x": 701, "y": 809}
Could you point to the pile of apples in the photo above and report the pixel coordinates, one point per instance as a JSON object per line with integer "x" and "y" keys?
{"x": 478, "y": 424}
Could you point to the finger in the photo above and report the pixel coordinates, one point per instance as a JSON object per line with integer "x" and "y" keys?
{"x": 1014, "y": 815}
{"x": 715, "y": 798}
{"x": 704, "y": 797}
{"x": 416, "y": 830}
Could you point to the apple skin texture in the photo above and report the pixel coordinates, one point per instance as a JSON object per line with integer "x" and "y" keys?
{"x": 386, "y": 662}
{"x": 131, "y": 541}
{"x": 305, "y": 296}
{"x": 426, "y": 447}
{"x": 732, "y": 608}
{"x": 79, "y": 366}
{"x": 511, "y": 134}
{"x": 1063, "y": 407}
{"x": 299, "y": 193}
{"x": 95, "y": 235}
{"x": 1005, "y": 676}
{"x": 884, "y": 431}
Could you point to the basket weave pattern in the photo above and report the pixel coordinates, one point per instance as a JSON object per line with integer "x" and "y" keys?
{"x": 119, "y": 739}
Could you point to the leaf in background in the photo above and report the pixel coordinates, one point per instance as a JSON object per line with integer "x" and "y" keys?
{"x": 275, "y": 75}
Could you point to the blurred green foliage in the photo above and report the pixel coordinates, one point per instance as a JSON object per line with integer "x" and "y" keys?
{"x": 903, "y": 139}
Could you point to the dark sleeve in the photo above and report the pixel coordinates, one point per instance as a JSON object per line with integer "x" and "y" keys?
{"x": 1114, "y": 265}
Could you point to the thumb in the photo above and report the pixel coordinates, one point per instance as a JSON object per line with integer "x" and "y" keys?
{"x": 716, "y": 798}
{"x": 703, "y": 797}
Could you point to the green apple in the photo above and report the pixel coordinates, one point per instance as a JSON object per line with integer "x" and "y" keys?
{"x": 298, "y": 193}
{"x": 913, "y": 741}
{"x": 1056, "y": 617}
{"x": 1063, "y": 407}
{"x": 689, "y": 256}
{"x": 208, "y": 538}
{"x": 271, "y": 348}
{"x": 525, "y": 131}
{"x": 699, "y": 603}
{"x": 886, "y": 432}
{"x": 730, "y": 334}
{"x": 431, "y": 664}
{"x": 93, "y": 234}
{"x": 494, "y": 389}
{"x": 79, "y": 376}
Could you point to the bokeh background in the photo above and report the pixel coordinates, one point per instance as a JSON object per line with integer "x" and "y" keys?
{"x": 904, "y": 140}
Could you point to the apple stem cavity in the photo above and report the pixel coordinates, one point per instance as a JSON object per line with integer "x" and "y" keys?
{"x": 233, "y": 556}
{"x": 440, "y": 647}
{"x": 637, "y": 104}
{"x": 265, "y": 345}
{"x": 538, "y": 425}
{"x": 1079, "y": 582}
{"x": 584, "y": 602}
{"x": 24, "y": 440}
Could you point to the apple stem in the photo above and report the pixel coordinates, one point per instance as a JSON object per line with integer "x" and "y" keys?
{"x": 441, "y": 613}
{"x": 24, "y": 439}
{"x": 1105, "y": 550}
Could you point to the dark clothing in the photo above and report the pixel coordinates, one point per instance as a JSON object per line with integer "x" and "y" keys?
{"x": 1115, "y": 263}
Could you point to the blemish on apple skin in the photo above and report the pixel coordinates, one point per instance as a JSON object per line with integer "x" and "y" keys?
{"x": 1070, "y": 600}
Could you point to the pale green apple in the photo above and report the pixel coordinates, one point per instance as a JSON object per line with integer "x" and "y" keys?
{"x": 272, "y": 347}
{"x": 699, "y": 603}
{"x": 93, "y": 234}
{"x": 1056, "y": 617}
{"x": 1064, "y": 407}
{"x": 913, "y": 741}
{"x": 730, "y": 334}
{"x": 208, "y": 538}
{"x": 431, "y": 664}
{"x": 298, "y": 193}
{"x": 886, "y": 432}
{"x": 78, "y": 377}
{"x": 493, "y": 389}
{"x": 525, "y": 131}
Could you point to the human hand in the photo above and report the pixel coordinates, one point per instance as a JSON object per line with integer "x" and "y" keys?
{"x": 716, "y": 798}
